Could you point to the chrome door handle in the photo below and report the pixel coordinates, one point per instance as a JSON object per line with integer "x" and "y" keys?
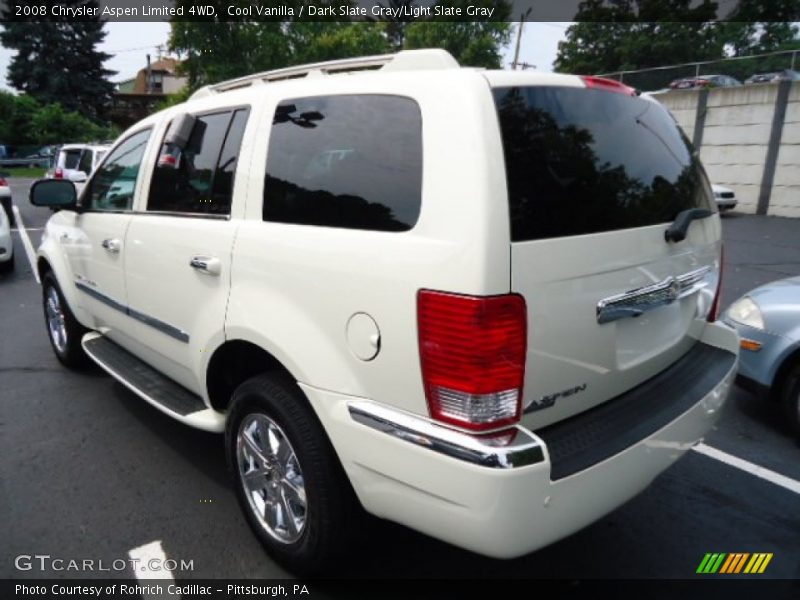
{"x": 112, "y": 245}
{"x": 210, "y": 265}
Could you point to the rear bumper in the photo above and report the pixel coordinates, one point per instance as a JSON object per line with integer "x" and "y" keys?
{"x": 500, "y": 501}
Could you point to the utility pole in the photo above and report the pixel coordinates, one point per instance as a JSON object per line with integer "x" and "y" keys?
{"x": 519, "y": 37}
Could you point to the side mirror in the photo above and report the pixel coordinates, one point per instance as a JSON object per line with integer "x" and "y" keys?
{"x": 54, "y": 193}
{"x": 180, "y": 130}
{"x": 78, "y": 176}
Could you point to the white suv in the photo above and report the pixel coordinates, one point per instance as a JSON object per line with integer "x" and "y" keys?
{"x": 478, "y": 303}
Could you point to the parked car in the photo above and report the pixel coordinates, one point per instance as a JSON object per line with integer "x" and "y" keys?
{"x": 6, "y": 243}
{"x": 775, "y": 76}
{"x": 724, "y": 197}
{"x": 5, "y": 197}
{"x": 76, "y": 162}
{"x": 768, "y": 322}
{"x": 468, "y": 352}
{"x": 704, "y": 81}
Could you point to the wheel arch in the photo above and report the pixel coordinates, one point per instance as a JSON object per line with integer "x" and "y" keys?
{"x": 791, "y": 359}
{"x": 234, "y": 362}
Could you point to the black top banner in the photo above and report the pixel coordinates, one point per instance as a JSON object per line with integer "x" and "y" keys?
{"x": 402, "y": 10}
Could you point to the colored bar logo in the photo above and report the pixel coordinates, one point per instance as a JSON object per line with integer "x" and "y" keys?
{"x": 734, "y": 563}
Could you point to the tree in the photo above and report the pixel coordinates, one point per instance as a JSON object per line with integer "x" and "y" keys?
{"x": 617, "y": 35}
{"x": 633, "y": 34}
{"x": 57, "y": 60}
{"x": 472, "y": 43}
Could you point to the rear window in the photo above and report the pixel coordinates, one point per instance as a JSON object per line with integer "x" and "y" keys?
{"x": 71, "y": 158}
{"x": 582, "y": 161}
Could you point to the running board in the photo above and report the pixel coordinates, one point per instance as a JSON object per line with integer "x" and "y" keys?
{"x": 157, "y": 389}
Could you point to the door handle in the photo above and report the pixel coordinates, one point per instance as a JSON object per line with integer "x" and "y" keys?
{"x": 210, "y": 265}
{"x": 112, "y": 245}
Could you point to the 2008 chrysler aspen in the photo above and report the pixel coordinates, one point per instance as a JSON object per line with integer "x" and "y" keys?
{"x": 479, "y": 303}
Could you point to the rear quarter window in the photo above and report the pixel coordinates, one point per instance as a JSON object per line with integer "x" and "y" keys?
{"x": 581, "y": 161}
{"x": 352, "y": 161}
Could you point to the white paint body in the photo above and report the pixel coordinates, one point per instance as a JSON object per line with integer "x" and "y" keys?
{"x": 292, "y": 289}
{"x": 6, "y": 243}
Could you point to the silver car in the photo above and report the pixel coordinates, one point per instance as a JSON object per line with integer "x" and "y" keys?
{"x": 768, "y": 321}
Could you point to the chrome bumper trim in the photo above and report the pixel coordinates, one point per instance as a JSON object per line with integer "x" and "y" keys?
{"x": 512, "y": 448}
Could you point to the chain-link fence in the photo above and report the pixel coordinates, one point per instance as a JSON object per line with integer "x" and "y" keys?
{"x": 740, "y": 68}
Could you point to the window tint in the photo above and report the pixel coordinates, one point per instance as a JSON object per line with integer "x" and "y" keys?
{"x": 70, "y": 158}
{"x": 114, "y": 183}
{"x": 345, "y": 161}
{"x": 199, "y": 179}
{"x": 583, "y": 161}
{"x": 85, "y": 163}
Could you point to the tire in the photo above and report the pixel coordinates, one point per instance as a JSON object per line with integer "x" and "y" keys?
{"x": 63, "y": 329}
{"x": 790, "y": 398}
{"x": 7, "y": 266}
{"x": 319, "y": 532}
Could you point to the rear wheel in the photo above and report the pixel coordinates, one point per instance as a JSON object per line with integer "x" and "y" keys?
{"x": 289, "y": 483}
{"x": 63, "y": 329}
{"x": 790, "y": 398}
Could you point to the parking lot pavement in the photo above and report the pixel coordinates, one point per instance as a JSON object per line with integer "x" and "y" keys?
{"x": 91, "y": 471}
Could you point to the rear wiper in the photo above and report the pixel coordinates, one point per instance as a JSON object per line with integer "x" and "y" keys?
{"x": 677, "y": 231}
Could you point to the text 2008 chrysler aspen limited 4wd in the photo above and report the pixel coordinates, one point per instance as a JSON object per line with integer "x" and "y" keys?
{"x": 479, "y": 303}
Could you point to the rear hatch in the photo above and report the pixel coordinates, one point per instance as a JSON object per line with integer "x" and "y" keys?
{"x": 595, "y": 177}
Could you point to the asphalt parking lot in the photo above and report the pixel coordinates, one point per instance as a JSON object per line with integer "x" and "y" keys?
{"x": 88, "y": 470}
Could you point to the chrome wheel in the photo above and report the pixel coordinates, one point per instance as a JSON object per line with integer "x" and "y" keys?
{"x": 56, "y": 325}
{"x": 271, "y": 477}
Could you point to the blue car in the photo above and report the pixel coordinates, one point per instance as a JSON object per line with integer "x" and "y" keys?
{"x": 768, "y": 321}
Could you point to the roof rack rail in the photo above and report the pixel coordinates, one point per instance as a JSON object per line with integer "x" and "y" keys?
{"x": 405, "y": 60}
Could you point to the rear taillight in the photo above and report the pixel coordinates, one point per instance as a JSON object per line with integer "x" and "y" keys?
{"x": 59, "y": 174}
{"x": 472, "y": 350}
{"x": 3, "y": 182}
{"x": 713, "y": 314}
{"x": 602, "y": 83}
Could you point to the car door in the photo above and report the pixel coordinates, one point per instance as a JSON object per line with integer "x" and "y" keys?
{"x": 180, "y": 245}
{"x": 97, "y": 253}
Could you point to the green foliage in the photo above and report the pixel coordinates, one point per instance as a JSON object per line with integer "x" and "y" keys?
{"x": 27, "y": 122}
{"x": 474, "y": 44}
{"x": 56, "y": 61}
{"x": 218, "y": 51}
{"x": 620, "y": 35}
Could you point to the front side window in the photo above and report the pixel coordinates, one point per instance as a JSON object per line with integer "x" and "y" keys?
{"x": 114, "y": 183}
{"x": 199, "y": 178}
{"x": 345, "y": 161}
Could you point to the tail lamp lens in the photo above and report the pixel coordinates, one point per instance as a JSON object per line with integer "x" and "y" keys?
{"x": 472, "y": 350}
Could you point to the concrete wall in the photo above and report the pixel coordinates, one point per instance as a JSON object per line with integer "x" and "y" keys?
{"x": 737, "y": 129}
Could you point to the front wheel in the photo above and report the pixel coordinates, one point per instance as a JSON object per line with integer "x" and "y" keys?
{"x": 790, "y": 398}
{"x": 289, "y": 483}
{"x": 63, "y": 329}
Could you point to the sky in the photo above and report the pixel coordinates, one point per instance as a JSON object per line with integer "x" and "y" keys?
{"x": 129, "y": 43}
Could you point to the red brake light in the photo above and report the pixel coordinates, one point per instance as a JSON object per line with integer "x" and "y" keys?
{"x": 713, "y": 313}
{"x": 602, "y": 83}
{"x": 59, "y": 174}
{"x": 472, "y": 350}
{"x": 3, "y": 182}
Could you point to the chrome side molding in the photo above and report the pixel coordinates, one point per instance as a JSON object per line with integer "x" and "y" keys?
{"x": 508, "y": 449}
{"x": 636, "y": 302}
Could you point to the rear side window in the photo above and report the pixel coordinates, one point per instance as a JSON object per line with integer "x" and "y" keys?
{"x": 350, "y": 161}
{"x": 85, "y": 163}
{"x": 199, "y": 178}
{"x": 582, "y": 161}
